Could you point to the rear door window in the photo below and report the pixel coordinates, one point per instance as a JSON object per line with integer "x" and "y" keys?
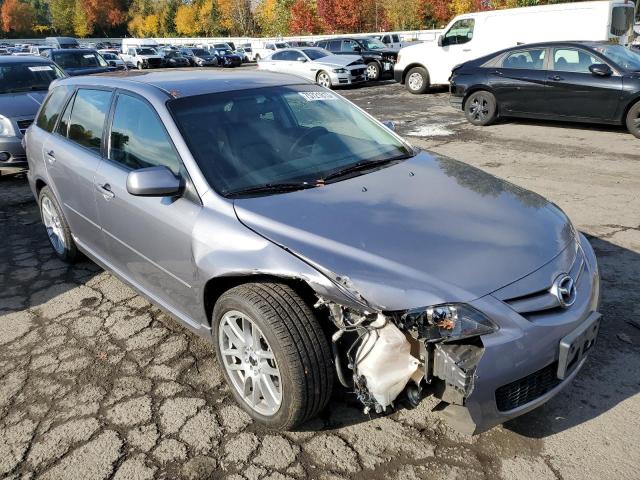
{"x": 573, "y": 60}
{"x": 138, "y": 138}
{"x": 334, "y": 45}
{"x": 51, "y": 110}
{"x": 349, "y": 46}
{"x": 532, "y": 59}
{"x": 86, "y": 123}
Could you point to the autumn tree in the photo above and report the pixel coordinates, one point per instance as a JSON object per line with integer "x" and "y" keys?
{"x": 236, "y": 16}
{"x": 404, "y": 14}
{"x": 102, "y": 15}
{"x": 186, "y": 20}
{"x": 209, "y": 17}
{"x": 350, "y": 15}
{"x": 81, "y": 27}
{"x": 304, "y": 18}
{"x": 273, "y": 16}
{"x": 17, "y": 17}
{"x": 62, "y": 16}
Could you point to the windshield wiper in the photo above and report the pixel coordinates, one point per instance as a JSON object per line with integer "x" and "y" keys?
{"x": 272, "y": 188}
{"x": 362, "y": 166}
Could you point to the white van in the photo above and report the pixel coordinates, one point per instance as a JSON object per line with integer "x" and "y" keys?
{"x": 141, "y": 53}
{"x": 474, "y": 35}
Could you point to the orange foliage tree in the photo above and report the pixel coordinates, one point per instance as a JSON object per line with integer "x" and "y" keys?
{"x": 304, "y": 18}
{"x": 101, "y": 14}
{"x": 17, "y": 17}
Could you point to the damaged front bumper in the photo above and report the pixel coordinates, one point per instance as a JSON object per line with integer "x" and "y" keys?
{"x": 485, "y": 378}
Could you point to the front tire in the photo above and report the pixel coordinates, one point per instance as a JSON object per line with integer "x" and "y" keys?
{"x": 373, "y": 71}
{"x": 323, "y": 79}
{"x": 140, "y": 66}
{"x": 481, "y": 108}
{"x": 57, "y": 227}
{"x": 417, "y": 80}
{"x": 633, "y": 120}
{"x": 268, "y": 339}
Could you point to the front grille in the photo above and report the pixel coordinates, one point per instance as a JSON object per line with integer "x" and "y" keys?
{"x": 356, "y": 72}
{"x": 154, "y": 62}
{"x": 527, "y": 389}
{"x": 543, "y": 301}
{"x": 24, "y": 124}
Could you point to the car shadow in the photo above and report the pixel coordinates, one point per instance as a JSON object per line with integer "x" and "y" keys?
{"x": 595, "y": 127}
{"x": 30, "y": 273}
{"x": 609, "y": 377}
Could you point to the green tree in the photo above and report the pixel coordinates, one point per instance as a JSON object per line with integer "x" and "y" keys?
{"x": 62, "y": 16}
{"x": 168, "y": 12}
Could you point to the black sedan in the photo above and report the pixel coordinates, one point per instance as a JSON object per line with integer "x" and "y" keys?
{"x": 174, "y": 59}
{"x": 226, "y": 58}
{"x": 594, "y": 82}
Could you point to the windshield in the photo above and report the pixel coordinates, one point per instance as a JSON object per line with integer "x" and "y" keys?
{"x": 26, "y": 77}
{"x": 221, "y": 45}
{"x": 623, "y": 56}
{"x": 282, "y": 45}
{"x": 145, "y": 51}
{"x": 71, "y": 59}
{"x": 172, "y": 54}
{"x": 109, "y": 56}
{"x": 224, "y": 51}
{"x": 372, "y": 44}
{"x": 199, "y": 52}
{"x": 277, "y": 135}
{"x": 316, "y": 54}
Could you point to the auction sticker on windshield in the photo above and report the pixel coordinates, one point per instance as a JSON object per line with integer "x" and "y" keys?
{"x": 317, "y": 96}
{"x": 43, "y": 68}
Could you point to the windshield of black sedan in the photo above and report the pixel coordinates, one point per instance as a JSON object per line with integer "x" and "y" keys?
{"x": 372, "y": 44}
{"x": 268, "y": 136}
{"x": 24, "y": 77}
{"x": 73, "y": 59}
{"x": 623, "y": 56}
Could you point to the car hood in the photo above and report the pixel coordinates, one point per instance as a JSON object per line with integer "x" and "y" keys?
{"x": 424, "y": 231}
{"x": 23, "y": 104}
{"x": 338, "y": 60}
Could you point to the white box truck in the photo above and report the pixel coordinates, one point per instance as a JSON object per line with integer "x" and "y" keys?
{"x": 474, "y": 35}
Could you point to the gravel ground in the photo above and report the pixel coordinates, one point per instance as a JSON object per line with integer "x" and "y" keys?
{"x": 96, "y": 383}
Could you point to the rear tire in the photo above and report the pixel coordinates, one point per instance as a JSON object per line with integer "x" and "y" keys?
{"x": 290, "y": 341}
{"x": 633, "y": 120}
{"x": 57, "y": 227}
{"x": 417, "y": 80}
{"x": 481, "y": 108}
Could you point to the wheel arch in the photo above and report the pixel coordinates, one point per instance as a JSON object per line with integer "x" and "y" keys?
{"x": 633, "y": 101}
{"x": 408, "y": 68}
{"x": 217, "y": 286}
{"x": 40, "y": 184}
{"x": 476, "y": 88}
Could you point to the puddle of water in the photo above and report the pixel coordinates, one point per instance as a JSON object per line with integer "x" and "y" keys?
{"x": 432, "y": 130}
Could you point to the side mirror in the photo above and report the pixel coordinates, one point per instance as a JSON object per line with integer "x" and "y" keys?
{"x": 357, "y": 49}
{"x": 440, "y": 41}
{"x": 153, "y": 182}
{"x": 390, "y": 125}
{"x": 601, "y": 70}
{"x": 302, "y": 59}
{"x": 112, "y": 63}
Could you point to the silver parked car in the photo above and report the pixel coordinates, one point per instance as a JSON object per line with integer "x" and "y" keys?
{"x": 308, "y": 242}
{"x": 317, "y": 64}
{"x": 24, "y": 82}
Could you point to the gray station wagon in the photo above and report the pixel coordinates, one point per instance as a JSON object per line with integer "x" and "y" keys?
{"x": 312, "y": 245}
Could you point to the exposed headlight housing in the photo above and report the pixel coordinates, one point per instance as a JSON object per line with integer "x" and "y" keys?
{"x": 6, "y": 127}
{"x": 339, "y": 70}
{"x": 452, "y": 321}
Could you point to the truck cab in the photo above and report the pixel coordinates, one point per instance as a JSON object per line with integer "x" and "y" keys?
{"x": 141, "y": 55}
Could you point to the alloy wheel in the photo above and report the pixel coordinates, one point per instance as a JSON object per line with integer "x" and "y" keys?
{"x": 324, "y": 80}
{"x": 250, "y": 363}
{"x": 415, "y": 81}
{"x": 479, "y": 107}
{"x": 372, "y": 71}
{"x": 52, "y": 223}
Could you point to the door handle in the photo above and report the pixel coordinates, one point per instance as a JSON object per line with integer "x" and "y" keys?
{"x": 106, "y": 192}
{"x": 497, "y": 72}
{"x": 466, "y": 49}
{"x": 51, "y": 157}
{"x": 556, "y": 78}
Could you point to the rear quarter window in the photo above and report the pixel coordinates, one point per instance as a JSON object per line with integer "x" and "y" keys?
{"x": 52, "y": 108}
